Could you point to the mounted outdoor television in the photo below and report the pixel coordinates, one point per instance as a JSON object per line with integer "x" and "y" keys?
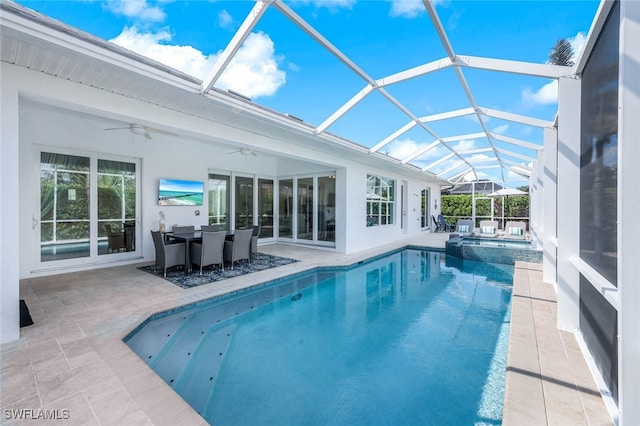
{"x": 175, "y": 192}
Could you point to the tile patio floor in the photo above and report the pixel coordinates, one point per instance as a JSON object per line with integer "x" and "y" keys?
{"x": 73, "y": 357}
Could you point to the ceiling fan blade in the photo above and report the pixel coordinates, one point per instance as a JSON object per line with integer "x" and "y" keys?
{"x": 159, "y": 132}
{"x": 147, "y": 136}
{"x": 117, "y": 128}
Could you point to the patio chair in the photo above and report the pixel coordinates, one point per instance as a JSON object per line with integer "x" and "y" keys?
{"x": 442, "y": 223}
{"x": 515, "y": 230}
{"x": 239, "y": 248}
{"x": 115, "y": 239}
{"x": 167, "y": 255}
{"x": 464, "y": 228}
{"x": 254, "y": 239}
{"x": 183, "y": 229}
{"x": 210, "y": 251}
{"x": 438, "y": 228}
{"x": 488, "y": 229}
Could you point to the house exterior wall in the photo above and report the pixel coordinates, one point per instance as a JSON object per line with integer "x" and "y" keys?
{"x": 46, "y": 113}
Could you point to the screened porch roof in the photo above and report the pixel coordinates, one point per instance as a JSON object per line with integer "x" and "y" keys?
{"x": 36, "y": 41}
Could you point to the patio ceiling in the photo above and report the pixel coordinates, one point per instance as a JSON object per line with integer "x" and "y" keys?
{"x": 439, "y": 155}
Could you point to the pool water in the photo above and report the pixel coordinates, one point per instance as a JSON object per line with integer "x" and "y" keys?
{"x": 401, "y": 339}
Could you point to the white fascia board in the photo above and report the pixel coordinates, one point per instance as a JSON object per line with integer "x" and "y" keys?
{"x": 447, "y": 115}
{"x": 440, "y": 161}
{"x": 345, "y": 108}
{"x": 514, "y": 67}
{"x": 326, "y": 44}
{"x": 516, "y": 155}
{"x": 24, "y": 22}
{"x": 516, "y": 118}
{"x": 259, "y": 8}
{"x": 393, "y": 136}
{"x": 464, "y": 137}
{"x": 515, "y": 141}
{"x": 414, "y": 72}
{"x": 420, "y": 152}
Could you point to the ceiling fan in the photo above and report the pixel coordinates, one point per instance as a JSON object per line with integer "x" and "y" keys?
{"x": 140, "y": 130}
{"x": 244, "y": 151}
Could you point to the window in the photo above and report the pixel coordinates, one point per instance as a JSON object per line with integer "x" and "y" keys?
{"x": 380, "y": 200}
{"x": 424, "y": 208}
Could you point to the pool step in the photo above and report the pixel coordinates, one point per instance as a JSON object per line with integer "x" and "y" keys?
{"x": 198, "y": 378}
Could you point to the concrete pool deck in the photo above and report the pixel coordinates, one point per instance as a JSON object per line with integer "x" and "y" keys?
{"x": 73, "y": 363}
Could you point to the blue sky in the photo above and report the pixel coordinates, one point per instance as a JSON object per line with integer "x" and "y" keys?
{"x": 281, "y": 67}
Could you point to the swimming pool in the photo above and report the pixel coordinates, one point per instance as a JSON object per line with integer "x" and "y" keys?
{"x": 400, "y": 339}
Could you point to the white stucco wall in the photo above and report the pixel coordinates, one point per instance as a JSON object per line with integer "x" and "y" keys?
{"x": 61, "y": 116}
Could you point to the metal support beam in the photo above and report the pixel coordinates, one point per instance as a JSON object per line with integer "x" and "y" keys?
{"x": 259, "y": 8}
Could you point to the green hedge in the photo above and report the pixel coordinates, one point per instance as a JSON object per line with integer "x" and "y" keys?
{"x": 460, "y": 206}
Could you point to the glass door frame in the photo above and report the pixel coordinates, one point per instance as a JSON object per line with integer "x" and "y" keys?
{"x": 94, "y": 257}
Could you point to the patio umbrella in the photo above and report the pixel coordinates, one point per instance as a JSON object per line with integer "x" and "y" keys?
{"x": 505, "y": 192}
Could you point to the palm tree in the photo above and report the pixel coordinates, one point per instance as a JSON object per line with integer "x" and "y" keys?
{"x": 562, "y": 53}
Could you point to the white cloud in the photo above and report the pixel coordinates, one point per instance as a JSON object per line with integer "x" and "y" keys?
{"x": 403, "y": 148}
{"x": 464, "y": 145}
{"x": 547, "y": 94}
{"x": 225, "y": 20}
{"x": 577, "y": 44}
{"x": 253, "y": 71}
{"x": 406, "y": 8}
{"x": 472, "y": 176}
{"x": 334, "y": 4}
{"x": 501, "y": 129}
{"x": 138, "y": 9}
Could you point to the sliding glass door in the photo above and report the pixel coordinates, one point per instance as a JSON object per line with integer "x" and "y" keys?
{"x": 88, "y": 209}
{"x": 265, "y": 207}
{"x": 116, "y": 206}
{"x": 326, "y": 208}
{"x": 244, "y": 202}
{"x": 305, "y": 209}
{"x": 219, "y": 200}
{"x": 286, "y": 207}
{"x": 65, "y": 216}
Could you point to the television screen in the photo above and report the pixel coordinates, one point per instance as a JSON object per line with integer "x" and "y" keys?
{"x": 174, "y": 192}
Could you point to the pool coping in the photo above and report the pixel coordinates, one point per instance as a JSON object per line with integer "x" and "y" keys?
{"x": 74, "y": 358}
{"x": 548, "y": 380}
